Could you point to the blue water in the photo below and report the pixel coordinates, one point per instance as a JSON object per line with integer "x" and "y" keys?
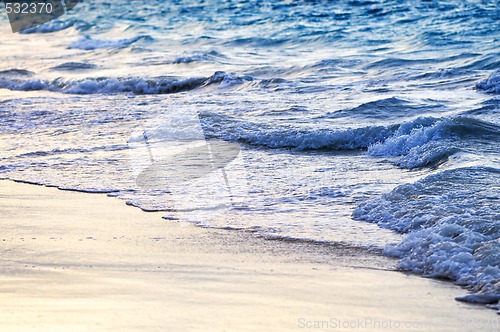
{"x": 370, "y": 123}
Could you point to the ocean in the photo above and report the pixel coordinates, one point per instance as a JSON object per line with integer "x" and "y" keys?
{"x": 372, "y": 124}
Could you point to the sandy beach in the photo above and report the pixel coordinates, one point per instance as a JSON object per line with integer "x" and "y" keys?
{"x": 87, "y": 262}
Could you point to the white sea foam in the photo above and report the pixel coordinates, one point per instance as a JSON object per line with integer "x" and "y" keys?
{"x": 420, "y": 147}
{"x": 408, "y": 136}
{"x": 453, "y": 225}
{"x": 426, "y": 141}
{"x": 491, "y": 84}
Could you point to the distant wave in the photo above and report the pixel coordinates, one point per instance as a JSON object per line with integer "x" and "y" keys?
{"x": 453, "y": 227}
{"x": 52, "y": 26}
{"x": 257, "y": 42}
{"x": 74, "y": 66}
{"x": 15, "y": 72}
{"x": 204, "y": 56}
{"x": 87, "y": 43}
{"x": 397, "y": 62}
{"x": 387, "y": 108}
{"x": 158, "y": 85}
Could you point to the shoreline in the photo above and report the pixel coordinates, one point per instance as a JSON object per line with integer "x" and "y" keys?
{"x": 76, "y": 261}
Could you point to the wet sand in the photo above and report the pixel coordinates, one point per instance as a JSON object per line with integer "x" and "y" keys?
{"x": 86, "y": 262}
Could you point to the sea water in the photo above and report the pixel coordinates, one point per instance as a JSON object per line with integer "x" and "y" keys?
{"x": 367, "y": 123}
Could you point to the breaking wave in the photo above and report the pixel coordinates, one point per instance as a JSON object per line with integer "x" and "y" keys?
{"x": 491, "y": 84}
{"x": 421, "y": 142}
{"x": 453, "y": 227}
{"x": 106, "y": 85}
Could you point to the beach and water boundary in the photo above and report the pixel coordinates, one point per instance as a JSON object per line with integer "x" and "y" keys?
{"x": 352, "y": 130}
{"x": 84, "y": 261}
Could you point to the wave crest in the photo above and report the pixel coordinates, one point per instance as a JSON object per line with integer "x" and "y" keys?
{"x": 491, "y": 84}
{"x": 453, "y": 226}
{"x": 420, "y": 142}
{"x": 106, "y": 85}
{"x": 87, "y": 43}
